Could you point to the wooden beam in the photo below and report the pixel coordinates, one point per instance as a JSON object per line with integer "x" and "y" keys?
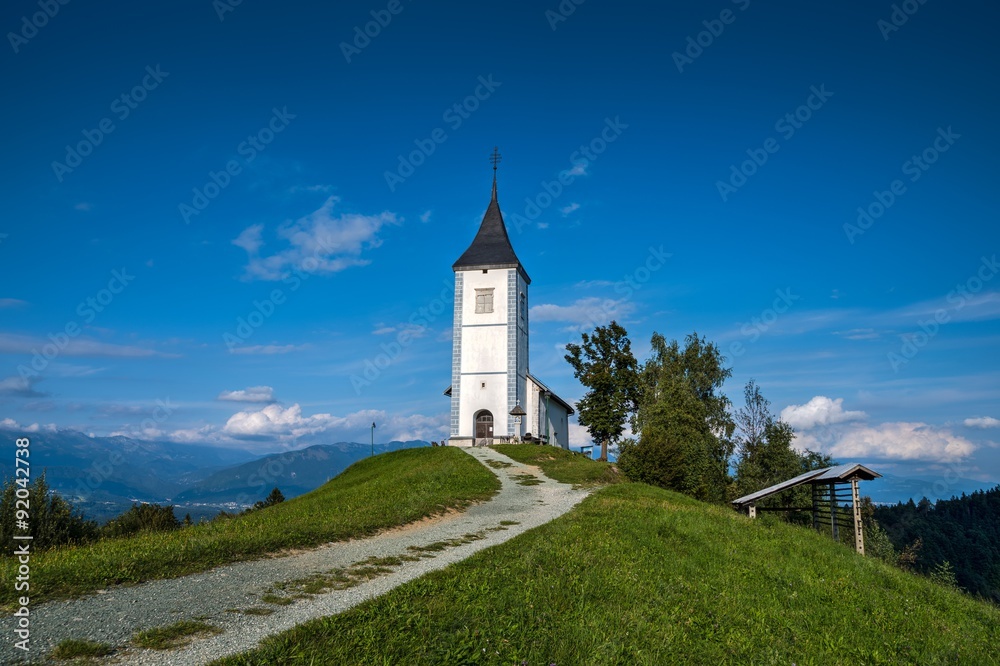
{"x": 859, "y": 537}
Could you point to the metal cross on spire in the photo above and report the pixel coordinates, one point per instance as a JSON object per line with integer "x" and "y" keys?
{"x": 495, "y": 159}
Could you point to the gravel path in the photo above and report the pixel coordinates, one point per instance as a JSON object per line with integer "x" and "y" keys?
{"x": 114, "y": 615}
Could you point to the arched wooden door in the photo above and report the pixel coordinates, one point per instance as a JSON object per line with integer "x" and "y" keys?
{"x": 484, "y": 425}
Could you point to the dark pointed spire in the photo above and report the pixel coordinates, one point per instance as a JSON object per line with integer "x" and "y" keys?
{"x": 495, "y": 159}
{"x": 491, "y": 247}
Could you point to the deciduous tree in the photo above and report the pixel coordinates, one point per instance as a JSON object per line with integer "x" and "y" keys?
{"x": 683, "y": 420}
{"x": 605, "y": 365}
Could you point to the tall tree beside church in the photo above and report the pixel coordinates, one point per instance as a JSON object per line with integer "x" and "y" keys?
{"x": 683, "y": 420}
{"x": 605, "y": 365}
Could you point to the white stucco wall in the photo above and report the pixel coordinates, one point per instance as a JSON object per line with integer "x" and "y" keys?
{"x": 475, "y": 397}
{"x": 558, "y": 425}
{"x": 484, "y": 348}
{"x": 495, "y": 279}
{"x": 484, "y": 352}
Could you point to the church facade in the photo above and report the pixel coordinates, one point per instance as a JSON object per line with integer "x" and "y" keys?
{"x": 494, "y": 397}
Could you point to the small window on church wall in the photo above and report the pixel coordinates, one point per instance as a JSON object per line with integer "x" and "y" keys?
{"x": 484, "y": 301}
{"x": 524, "y": 305}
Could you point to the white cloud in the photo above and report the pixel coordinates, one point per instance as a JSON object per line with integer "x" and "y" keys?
{"x": 20, "y": 387}
{"x": 982, "y": 422}
{"x": 12, "y": 303}
{"x": 425, "y": 216}
{"x": 591, "y": 284}
{"x": 250, "y": 394}
{"x": 200, "y": 435}
{"x": 250, "y": 238}
{"x": 83, "y": 205}
{"x": 566, "y": 210}
{"x": 268, "y": 349}
{"x": 584, "y": 313}
{"x": 318, "y": 243}
{"x": 820, "y": 411}
{"x": 288, "y": 424}
{"x": 138, "y": 432}
{"x": 22, "y": 344}
{"x": 579, "y": 435}
{"x": 858, "y": 334}
{"x": 899, "y": 441}
{"x": 414, "y": 426}
{"x": 824, "y": 425}
{"x": 984, "y": 306}
{"x": 411, "y": 331}
{"x": 118, "y": 409}
{"x": 310, "y": 188}
{"x": 275, "y": 420}
{"x": 57, "y": 369}
{"x": 578, "y": 169}
{"x": 11, "y": 424}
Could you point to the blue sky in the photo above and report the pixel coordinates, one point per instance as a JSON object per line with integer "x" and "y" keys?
{"x": 174, "y": 169}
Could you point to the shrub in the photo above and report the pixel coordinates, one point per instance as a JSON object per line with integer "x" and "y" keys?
{"x": 142, "y": 518}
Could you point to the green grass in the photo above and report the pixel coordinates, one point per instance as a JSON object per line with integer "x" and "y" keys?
{"x": 374, "y": 494}
{"x": 438, "y": 546}
{"x": 174, "y": 635}
{"x": 79, "y": 649}
{"x": 277, "y": 600}
{"x": 526, "y": 480}
{"x": 638, "y": 575}
{"x": 253, "y": 610}
{"x": 562, "y": 465}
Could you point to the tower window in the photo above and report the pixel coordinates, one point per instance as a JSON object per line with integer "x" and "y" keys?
{"x": 524, "y": 305}
{"x": 484, "y": 301}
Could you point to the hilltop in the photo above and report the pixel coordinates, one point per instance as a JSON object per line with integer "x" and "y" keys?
{"x": 640, "y": 575}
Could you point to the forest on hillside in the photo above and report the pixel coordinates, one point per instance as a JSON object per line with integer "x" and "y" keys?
{"x": 963, "y": 531}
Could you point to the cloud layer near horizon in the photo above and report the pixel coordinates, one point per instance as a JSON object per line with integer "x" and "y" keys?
{"x": 822, "y": 424}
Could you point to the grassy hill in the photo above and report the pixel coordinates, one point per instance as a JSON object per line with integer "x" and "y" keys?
{"x": 294, "y": 472}
{"x": 638, "y": 575}
{"x": 371, "y": 495}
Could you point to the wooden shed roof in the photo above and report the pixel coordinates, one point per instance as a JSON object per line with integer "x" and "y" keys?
{"x": 838, "y": 474}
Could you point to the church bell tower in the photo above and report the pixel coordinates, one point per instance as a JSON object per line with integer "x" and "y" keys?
{"x": 490, "y": 337}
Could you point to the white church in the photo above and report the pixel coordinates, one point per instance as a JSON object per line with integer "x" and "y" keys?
{"x": 494, "y": 397}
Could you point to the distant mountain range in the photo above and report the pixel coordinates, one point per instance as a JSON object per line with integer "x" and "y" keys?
{"x": 892, "y": 489}
{"x": 103, "y": 476}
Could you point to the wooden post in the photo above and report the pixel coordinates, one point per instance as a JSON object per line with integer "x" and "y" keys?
{"x": 859, "y": 537}
{"x": 752, "y": 510}
{"x": 833, "y": 511}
